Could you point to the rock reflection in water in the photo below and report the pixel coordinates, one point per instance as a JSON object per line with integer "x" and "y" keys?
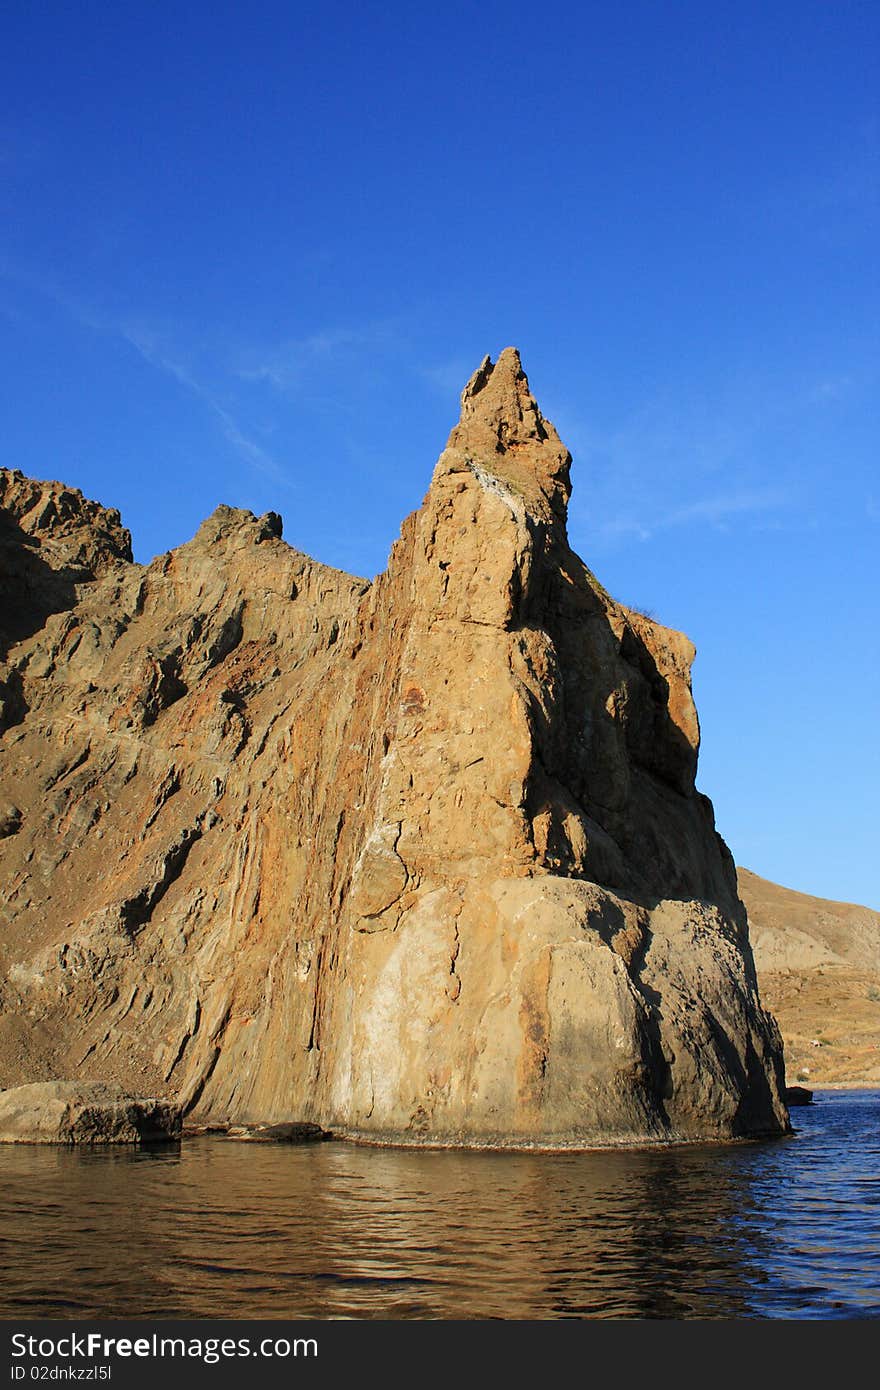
{"x": 232, "y": 1230}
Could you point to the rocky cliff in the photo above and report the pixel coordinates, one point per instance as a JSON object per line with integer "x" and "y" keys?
{"x": 818, "y": 964}
{"x": 420, "y": 859}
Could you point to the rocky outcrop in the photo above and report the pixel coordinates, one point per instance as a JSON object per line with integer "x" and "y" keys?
{"x": 51, "y": 539}
{"x": 818, "y": 964}
{"x": 418, "y": 860}
{"x": 72, "y": 1112}
{"x": 294, "y": 1132}
{"x": 798, "y": 1095}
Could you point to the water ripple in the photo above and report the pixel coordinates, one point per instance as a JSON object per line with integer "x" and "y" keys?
{"x": 213, "y": 1229}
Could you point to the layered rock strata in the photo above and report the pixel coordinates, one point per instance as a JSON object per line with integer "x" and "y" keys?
{"x": 419, "y": 860}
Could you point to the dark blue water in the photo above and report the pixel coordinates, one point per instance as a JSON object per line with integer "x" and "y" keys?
{"x": 789, "y": 1228}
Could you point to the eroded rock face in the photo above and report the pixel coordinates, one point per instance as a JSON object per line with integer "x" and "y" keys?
{"x": 73, "y": 1112}
{"x": 419, "y": 860}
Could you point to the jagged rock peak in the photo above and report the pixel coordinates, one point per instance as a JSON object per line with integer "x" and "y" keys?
{"x": 502, "y": 431}
{"x": 74, "y": 531}
{"x": 239, "y": 526}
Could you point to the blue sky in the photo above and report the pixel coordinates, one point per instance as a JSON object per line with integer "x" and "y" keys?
{"x": 251, "y": 254}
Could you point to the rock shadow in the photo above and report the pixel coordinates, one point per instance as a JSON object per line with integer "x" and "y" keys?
{"x": 30, "y": 589}
{"x": 608, "y": 751}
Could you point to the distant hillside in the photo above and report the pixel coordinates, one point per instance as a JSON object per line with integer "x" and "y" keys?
{"x": 819, "y": 973}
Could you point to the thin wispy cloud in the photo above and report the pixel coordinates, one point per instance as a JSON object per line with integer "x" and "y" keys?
{"x": 714, "y": 511}
{"x": 834, "y": 388}
{"x": 152, "y": 346}
{"x": 737, "y": 455}
{"x": 289, "y": 366}
{"x": 450, "y": 377}
{"x": 841, "y": 387}
{"x": 46, "y": 287}
{"x": 641, "y": 478}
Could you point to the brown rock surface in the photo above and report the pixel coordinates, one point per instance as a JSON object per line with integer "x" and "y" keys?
{"x": 419, "y": 860}
{"x": 73, "y": 1112}
{"x": 818, "y": 968}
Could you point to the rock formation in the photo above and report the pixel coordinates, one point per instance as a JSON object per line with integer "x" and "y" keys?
{"x": 417, "y": 860}
{"x": 818, "y": 966}
{"x": 70, "y": 1112}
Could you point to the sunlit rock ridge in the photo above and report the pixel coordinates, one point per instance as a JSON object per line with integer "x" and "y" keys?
{"x": 421, "y": 859}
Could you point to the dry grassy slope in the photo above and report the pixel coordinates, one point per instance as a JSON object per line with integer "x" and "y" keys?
{"x": 819, "y": 972}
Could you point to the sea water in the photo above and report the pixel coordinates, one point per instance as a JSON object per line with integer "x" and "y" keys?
{"x": 215, "y": 1228}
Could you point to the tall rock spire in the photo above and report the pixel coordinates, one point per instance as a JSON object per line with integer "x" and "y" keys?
{"x": 422, "y": 860}
{"x": 502, "y": 430}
